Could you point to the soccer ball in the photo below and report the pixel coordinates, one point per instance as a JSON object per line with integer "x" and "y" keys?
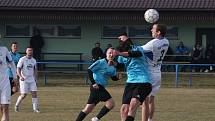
{"x": 151, "y": 15}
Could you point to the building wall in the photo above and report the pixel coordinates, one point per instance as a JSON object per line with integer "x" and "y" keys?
{"x": 91, "y": 33}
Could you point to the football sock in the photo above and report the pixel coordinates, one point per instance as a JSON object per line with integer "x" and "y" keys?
{"x": 129, "y": 118}
{"x": 81, "y": 116}
{"x": 149, "y": 119}
{"x": 35, "y": 103}
{"x": 102, "y": 112}
{"x": 18, "y": 101}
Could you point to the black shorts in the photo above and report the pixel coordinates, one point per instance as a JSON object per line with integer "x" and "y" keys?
{"x": 136, "y": 90}
{"x": 97, "y": 95}
{"x": 11, "y": 85}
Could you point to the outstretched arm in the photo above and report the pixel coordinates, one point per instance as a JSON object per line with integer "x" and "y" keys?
{"x": 130, "y": 53}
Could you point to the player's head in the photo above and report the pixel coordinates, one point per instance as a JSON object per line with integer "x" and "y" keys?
{"x": 97, "y": 44}
{"x": 14, "y": 47}
{"x": 158, "y": 30}
{"x": 29, "y": 51}
{"x": 124, "y": 42}
{"x": 110, "y": 53}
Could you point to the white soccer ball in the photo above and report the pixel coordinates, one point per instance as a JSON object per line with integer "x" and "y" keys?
{"x": 151, "y": 15}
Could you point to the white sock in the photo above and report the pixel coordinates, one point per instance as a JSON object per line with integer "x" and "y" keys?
{"x": 19, "y": 100}
{"x": 35, "y": 103}
{"x": 149, "y": 119}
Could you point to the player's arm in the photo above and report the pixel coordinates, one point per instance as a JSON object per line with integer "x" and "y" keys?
{"x": 115, "y": 78}
{"x": 130, "y": 53}
{"x": 18, "y": 70}
{"x": 35, "y": 73}
{"x": 13, "y": 69}
{"x": 93, "y": 82}
{"x": 90, "y": 75}
{"x": 11, "y": 65}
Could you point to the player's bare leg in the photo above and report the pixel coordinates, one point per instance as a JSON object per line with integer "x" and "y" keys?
{"x": 5, "y": 112}
{"x": 145, "y": 110}
{"x": 134, "y": 104}
{"x": 19, "y": 100}
{"x": 88, "y": 108}
{"x": 151, "y": 107}
{"x": 108, "y": 106}
{"x": 124, "y": 111}
{"x": 1, "y": 109}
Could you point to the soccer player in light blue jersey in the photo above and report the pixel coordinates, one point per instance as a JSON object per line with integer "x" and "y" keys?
{"x": 99, "y": 73}
{"x": 138, "y": 85}
{"x": 15, "y": 57}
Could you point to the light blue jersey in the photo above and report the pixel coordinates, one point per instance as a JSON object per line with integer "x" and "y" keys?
{"x": 136, "y": 68}
{"x": 15, "y": 57}
{"x": 102, "y": 71}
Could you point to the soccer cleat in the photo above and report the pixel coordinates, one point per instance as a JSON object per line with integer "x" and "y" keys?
{"x": 37, "y": 111}
{"x": 95, "y": 119}
{"x": 16, "y": 109}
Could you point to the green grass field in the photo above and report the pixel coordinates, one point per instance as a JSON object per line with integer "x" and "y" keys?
{"x": 63, "y": 98}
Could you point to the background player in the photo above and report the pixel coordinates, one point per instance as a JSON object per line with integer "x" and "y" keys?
{"x": 155, "y": 50}
{"x": 27, "y": 72}
{"x": 99, "y": 72}
{"x": 5, "y": 90}
{"x": 15, "y": 57}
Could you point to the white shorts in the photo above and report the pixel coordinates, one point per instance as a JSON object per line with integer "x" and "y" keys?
{"x": 5, "y": 91}
{"x": 27, "y": 86}
{"x": 156, "y": 83}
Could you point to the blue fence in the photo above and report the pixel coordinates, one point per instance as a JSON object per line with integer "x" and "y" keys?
{"x": 175, "y": 66}
{"x": 190, "y": 66}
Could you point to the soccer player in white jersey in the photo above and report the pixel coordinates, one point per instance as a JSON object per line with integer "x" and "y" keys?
{"x": 155, "y": 50}
{"x": 27, "y": 72}
{"x": 5, "y": 89}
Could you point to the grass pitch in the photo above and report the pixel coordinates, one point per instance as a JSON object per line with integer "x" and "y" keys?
{"x": 64, "y": 104}
{"x": 65, "y": 96}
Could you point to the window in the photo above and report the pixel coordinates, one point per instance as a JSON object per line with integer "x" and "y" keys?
{"x": 136, "y": 31}
{"x": 112, "y": 31}
{"x": 17, "y": 30}
{"x": 46, "y": 30}
{"x": 69, "y": 31}
{"x": 172, "y": 32}
{"x": 139, "y": 32}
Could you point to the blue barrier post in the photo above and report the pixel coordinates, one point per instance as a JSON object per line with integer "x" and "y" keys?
{"x": 45, "y": 79}
{"x": 176, "y": 75}
{"x": 190, "y": 79}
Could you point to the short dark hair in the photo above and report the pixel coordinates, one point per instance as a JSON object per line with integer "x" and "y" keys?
{"x": 162, "y": 28}
{"x": 30, "y": 47}
{"x": 97, "y": 43}
{"x": 14, "y": 42}
{"x": 123, "y": 34}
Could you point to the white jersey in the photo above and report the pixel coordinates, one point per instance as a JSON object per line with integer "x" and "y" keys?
{"x": 155, "y": 50}
{"x": 27, "y": 66}
{"x": 5, "y": 57}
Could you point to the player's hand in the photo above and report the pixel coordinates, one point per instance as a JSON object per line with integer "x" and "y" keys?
{"x": 15, "y": 85}
{"x": 95, "y": 86}
{"x": 15, "y": 88}
{"x": 111, "y": 62}
{"x": 22, "y": 78}
{"x": 115, "y": 53}
{"x": 119, "y": 76}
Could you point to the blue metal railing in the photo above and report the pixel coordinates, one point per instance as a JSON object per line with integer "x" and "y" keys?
{"x": 177, "y": 72}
